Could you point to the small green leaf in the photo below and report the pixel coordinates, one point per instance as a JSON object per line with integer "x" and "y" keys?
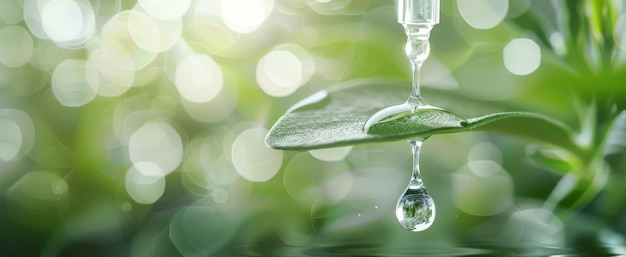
{"x": 556, "y": 159}
{"x": 336, "y": 118}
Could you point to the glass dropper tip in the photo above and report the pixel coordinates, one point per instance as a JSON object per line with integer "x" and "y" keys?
{"x": 418, "y": 17}
{"x": 418, "y": 11}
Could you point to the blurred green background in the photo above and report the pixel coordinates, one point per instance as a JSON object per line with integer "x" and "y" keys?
{"x": 137, "y": 129}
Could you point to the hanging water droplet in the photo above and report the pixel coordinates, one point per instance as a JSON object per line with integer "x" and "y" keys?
{"x": 416, "y": 208}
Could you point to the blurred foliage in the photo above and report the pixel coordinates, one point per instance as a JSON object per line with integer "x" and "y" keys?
{"x": 138, "y": 130}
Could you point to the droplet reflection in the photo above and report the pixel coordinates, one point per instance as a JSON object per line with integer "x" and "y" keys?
{"x": 416, "y": 208}
{"x": 416, "y": 211}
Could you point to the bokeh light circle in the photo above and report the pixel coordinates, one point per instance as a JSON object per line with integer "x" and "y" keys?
{"x": 333, "y": 7}
{"x": 145, "y": 182}
{"x": 198, "y": 78}
{"x": 222, "y": 106}
{"x": 558, "y": 42}
{"x": 69, "y": 23}
{"x": 485, "y": 151}
{"x": 483, "y": 14}
{"x": 245, "y": 16}
{"x": 165, "y": 9}
{"x": 10, "y": 139}
{"x": 205, "y": 16}
{"x": 119, "y": 43}
{"x": 32, "y": 17}
{"x": 16, "y": 46}
{"x": 112, "y": 62}
{"x": 252, "y": 159}
{"x": 61, "y": 19}
{"x": 157, "y": 143}
{"x": 522, "y": 56}
{"x": 219, "y": 195}
{"x": 75, "y": 83}
{"x": 279, "y": 73}
{"x": 153, "y": 35}
{"x": 15, "y": 142}
{"x": 207, "y": 171}
{"x": 116, "y": 72}
{"x": 144, "y": 30}
{"x": 484, "y": 159}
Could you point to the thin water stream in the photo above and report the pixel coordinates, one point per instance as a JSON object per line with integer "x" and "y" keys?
{"x": 415, "y": 210}
{"x": 417, "y": 50}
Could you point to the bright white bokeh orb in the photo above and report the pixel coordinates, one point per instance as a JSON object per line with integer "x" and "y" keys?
{"x": 120, "y": 43}
{"x": 522, "y": 56}
{"x": 483, "y": 14}
{"x": 61, "y": 19}
{"x": 116, "y": 71}
{"x": 253, "y": 160}
{"x": 145, "y": 182}
{"x": 69, "y": 23}
{"x": 158, "y": 143}
{"x": 153, "y": 35}
{"x": 245, "y": 16}
{"x": 198, "y": 78}
{"x": 279, "y": 73}
{"x": 75, "y": 82}
{"x": 144, "y": 30}
{"x": 166, "y": 9}
{"x": 558, "y": 43}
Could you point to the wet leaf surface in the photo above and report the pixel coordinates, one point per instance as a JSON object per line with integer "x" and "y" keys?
{"x": 336, "y": 118}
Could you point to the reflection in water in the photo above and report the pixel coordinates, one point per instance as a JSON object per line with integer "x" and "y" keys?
{"x": 419, "y": 249}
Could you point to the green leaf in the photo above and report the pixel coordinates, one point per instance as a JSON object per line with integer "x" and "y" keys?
{"x": 556, "y": 159}
{"x": 336, "y": 118}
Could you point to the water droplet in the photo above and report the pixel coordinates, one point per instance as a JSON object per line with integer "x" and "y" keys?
{"x": 417, "y": 50}
{"x": 396, "y": 114}
{"x": 415, "y": 210}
